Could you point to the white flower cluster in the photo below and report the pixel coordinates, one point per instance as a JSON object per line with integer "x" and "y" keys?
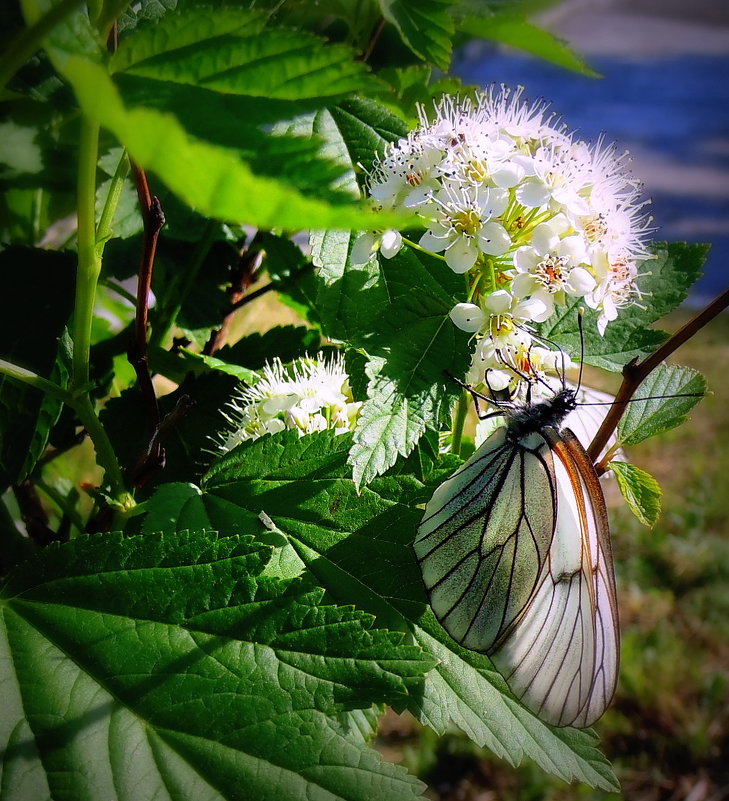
{"x": 531, "y": 215}
{"x": 311, "y": 394}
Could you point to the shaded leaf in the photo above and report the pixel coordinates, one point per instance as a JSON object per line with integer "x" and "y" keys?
{"x": 286, "y": 342}
{"x": 35, "y": 305}
{"x": 425, "y": 26}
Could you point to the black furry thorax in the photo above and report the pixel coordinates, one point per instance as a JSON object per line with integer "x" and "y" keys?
{"x": 525, "y": 420}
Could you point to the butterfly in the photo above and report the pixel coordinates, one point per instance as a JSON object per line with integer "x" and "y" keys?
{"x": 515, "y": 554}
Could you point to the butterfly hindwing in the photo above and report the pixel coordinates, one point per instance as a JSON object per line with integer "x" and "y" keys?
{"x": 561, "y": 657}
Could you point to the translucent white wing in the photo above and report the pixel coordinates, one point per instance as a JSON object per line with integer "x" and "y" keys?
{"x": 561, "y": 657}
{"x": 485, "y": 536}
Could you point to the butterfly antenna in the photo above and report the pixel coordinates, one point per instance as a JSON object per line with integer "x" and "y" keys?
{"x": 647, "y": 398}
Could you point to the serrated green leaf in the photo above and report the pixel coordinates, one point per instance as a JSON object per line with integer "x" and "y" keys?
{"x": 412, "y": 345}
{"x": 425, "y": 26}
{"x": 640, "y": 490}
{"x": 366, "y": 127}
{"x": 167, "y": 666}
{"x": 232, "y": 51}
{"x": 516, "y": 31}
{"x": 665, "y": 279}
{"x": 409, "y": 338}
{"x": 359, "y": 548}
{"x": 233, "y": 121}
{"x": 644, "y": 419}
{"x": 214, "y": 180}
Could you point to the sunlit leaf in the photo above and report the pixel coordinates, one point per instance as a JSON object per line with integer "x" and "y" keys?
{"x": 640, "y": 490}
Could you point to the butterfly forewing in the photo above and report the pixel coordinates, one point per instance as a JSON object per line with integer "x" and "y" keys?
{"x": 485, "y": 536}
{"x": 561, "y": 657}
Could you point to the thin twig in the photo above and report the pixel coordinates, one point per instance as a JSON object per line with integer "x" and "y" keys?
{"x": 636, "y": 372}
{"x": 138, "y": 354}
{"x": 245, "y": 274}
{"x": 153, "y": 458}
{"x": 373, "y": 39}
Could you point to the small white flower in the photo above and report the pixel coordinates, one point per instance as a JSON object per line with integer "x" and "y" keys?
{"x": 309, "y": 395}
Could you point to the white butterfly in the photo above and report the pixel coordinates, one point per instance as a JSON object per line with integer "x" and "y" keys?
{"x": 515, "y": 554}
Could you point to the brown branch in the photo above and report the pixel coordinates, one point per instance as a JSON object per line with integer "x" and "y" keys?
{"x": 138, "y": 356}
{"x": 153, "y": 458}
{"x": 373, "y": 39}
{"x": 636, "y": 372}
{"x": 244, "y": 275}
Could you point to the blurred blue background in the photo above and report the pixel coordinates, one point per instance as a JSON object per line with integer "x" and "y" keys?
{"x": 664, "y": 96}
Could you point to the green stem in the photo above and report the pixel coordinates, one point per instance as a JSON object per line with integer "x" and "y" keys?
{"x": 105, "y": 453}
{"x": 103, "y": 230}
{"x": 84, "y": 408}
{"x": 31, "y": 39}
{"x": 61, "y": 502}
{"x": 459, "y": 419}
{"x": 34, "y": 380}
{"x": 89, "y": 260}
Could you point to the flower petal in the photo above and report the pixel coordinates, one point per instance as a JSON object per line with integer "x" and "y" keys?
{"x": 494, "y": 239}
{"x": 468, "y": 317}
{"x": 461, "y": 255}
{"x": 391, "y": 243}
{"x": 498, "y": 302}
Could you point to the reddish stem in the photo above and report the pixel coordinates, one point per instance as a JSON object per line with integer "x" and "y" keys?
{"x": 138, "y": 355}
{"x": 636, "y": 372}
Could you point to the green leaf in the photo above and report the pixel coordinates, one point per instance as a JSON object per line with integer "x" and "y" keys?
{"x": 214, "y": 180}
{"x": 516, "y": 31}
{"x": 349, "y": 297}
{"x": 665, "y": 279}
{"x": 241, "y": 373}
{"x": 168, "y": 666}
{"x": 641, "y": 491}
{"x": 35, "y": 305}
{"x": 286, "y": 342}
{"x": 409, "y": 338}
{"x": 644, "y": 419}
{"x": 425, "y": 26}
{"x": 359, "y": 548}
{"x": 232, "y": 51}
{"x": 413, "y": 344}
{"x": 366, "y": 127}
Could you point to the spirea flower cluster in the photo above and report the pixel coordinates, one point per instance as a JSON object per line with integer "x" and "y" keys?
{"x": 532, "y": 215}
{"x": 311, "y": 394}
